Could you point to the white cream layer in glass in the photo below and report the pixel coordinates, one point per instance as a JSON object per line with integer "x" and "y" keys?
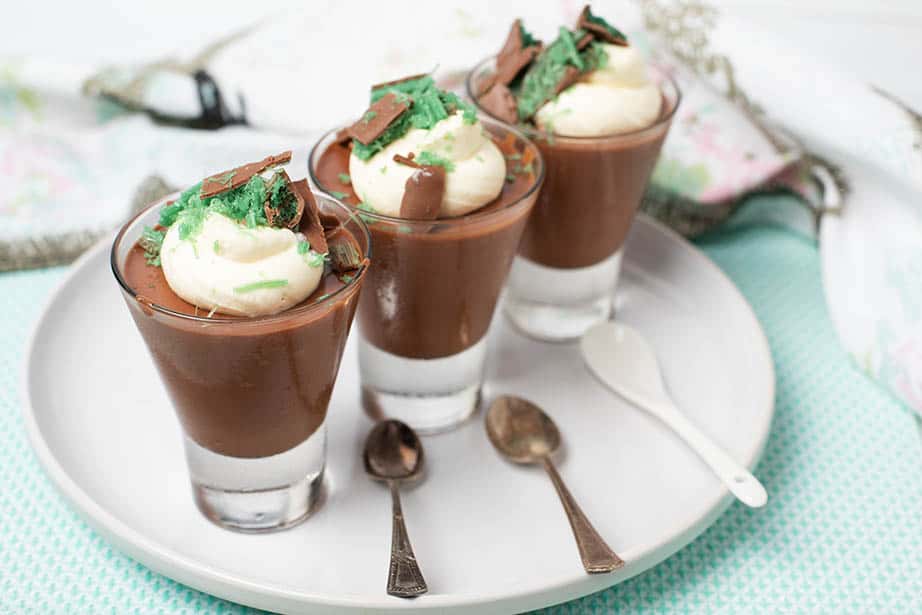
{"x": 615, "y": 99}
{"x": 214, "y": 269}
{"x": 476, "y": 179}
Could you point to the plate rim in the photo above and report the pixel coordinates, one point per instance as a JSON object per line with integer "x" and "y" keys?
{"x": 206, "y": 578}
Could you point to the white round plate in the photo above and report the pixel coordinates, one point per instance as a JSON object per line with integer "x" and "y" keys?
{"x": 490, "y": 536}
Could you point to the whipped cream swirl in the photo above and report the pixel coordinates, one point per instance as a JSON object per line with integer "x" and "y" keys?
{"x": 475, "y": 177}
{"x": 233, "y": 269}
{"x": 614, "y": 99}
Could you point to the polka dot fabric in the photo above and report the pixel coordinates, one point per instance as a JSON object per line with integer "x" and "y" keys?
{"x": 842, "y": 532}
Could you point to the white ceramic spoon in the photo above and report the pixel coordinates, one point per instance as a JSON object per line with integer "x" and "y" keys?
{"x": 622, "y": 359}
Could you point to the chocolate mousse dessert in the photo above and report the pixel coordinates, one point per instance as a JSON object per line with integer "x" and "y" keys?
{"x": 244, "y": 288}
{"x": 445, "y": 196}
{"x": 599, "y": 115}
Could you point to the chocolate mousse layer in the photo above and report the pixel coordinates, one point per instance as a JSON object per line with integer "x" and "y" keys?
{"x": 248, "y": 387}
{"x": 435, "y": 283}
{"x": 591, "y": 194}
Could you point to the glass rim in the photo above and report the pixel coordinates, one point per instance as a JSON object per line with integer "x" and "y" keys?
{"x": 542, "y": 134}
{"x": 461, "y": 220}
{"x": 238, "y": 320}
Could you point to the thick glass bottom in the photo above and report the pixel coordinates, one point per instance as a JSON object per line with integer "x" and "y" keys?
{"x": 559, "y": 305}
{"x": 429, "y": 395}
{"x": 258, "y": 494}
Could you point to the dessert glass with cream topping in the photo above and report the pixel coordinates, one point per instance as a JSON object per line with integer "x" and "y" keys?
{"x": 599, "y": 115}
{"x": 244, "y": 288}
{"x": 445, "y": 196}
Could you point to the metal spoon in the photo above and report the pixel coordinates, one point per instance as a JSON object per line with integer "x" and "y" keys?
{"x": 524, "y": 434}
{"x": 622, "y": 359}
{"x": 394, "y": 454}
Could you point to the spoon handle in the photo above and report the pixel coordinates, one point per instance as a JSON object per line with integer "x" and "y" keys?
{"x": 404, "y": 579}
{"x": 597, "y": 556}
{"x": 737, "y": 478}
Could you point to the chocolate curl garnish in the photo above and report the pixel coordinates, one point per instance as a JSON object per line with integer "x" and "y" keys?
{"x": 500, "y": 103}
{"x": 345, "y": 254}
{"x": 600, "y": 29}
{"x": 273, "y": 214}
{"x": 310, "y": 220}
{"x": 228, "y": 180}
{"x": 379, "y": 116}
{"x": 513, "y": 57}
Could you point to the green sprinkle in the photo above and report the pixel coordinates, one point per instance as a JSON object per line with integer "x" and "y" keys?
{"x": 304, "y": 247}
{"x": 344, "y": 178}
{"x": 347, "y": 278}
{"x": 429, "y": 158}
{"x": 539, "y": 82}
{"x": 369, "y": 115}
{"x": 429, "y": 106}
{"x": 248, "y": 288}
{"x": 479, "y": 158}
{"x": 510, "y": 177}
{"x": 226, "y": 179}
{"x": 316, "y": 260}
{"x": 365, "y": 207}
{"x": 384, "y": 170}
{"x": 404, "y": 228}
{"x": 321, "y": 297}
{"x": 216, "y": 247}
{"x": 151, "y": 241}
{"x": 337, "y": 194}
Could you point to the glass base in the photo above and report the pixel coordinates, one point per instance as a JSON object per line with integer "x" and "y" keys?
{"x": 560, "y": 305}
{"x": 258, "y": 494}
{"x": 260, "y": 511}
{"x": 429, "y": 395}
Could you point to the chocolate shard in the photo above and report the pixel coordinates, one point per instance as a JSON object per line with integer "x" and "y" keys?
{"x": 274, "y": 215}
{"x": 599, "y": 28}
{"x": 423, "y": 192}
{"x": 515, "y": 56}
{"x": 378, "y": 117}
{"x": 345, "y": 254}
{"x": 584, "y": 41}
{"x": 500, "y": 103}
{"x": 569, "y": 77}
{"x": 385, "y": 84}
{"x": 310, "y": 220}
{"x": 228, "y": 180}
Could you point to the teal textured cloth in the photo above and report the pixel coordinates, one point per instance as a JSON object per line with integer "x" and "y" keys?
{"x": 842, "y": 532}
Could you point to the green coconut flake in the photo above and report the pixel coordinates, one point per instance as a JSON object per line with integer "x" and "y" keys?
{"x": 540, "y": 80}
{"x": 304, "y": 247}
{"x": 344, "y": 178}
{"x": 248, "y": 288}
{"x": 429, "y": 105}
{"x": 430, "y": 158}
{"x": 151, "y": 242}
{"x": 316, "y": 260}
{"x": 338, "y": 195}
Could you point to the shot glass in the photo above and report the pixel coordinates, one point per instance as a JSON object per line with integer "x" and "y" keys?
{"x": 564, "y": 277}
{"x": 251, "y": 394}
{"x": 431, "y": 293}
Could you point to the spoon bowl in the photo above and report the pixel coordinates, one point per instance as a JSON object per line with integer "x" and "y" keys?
{"x": 521, "y": 431}
{"x": 393, "y": 451}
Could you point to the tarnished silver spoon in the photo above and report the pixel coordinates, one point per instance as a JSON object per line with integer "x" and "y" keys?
{"x": 524, "y": 434}
{"x": 393, "y": 454}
